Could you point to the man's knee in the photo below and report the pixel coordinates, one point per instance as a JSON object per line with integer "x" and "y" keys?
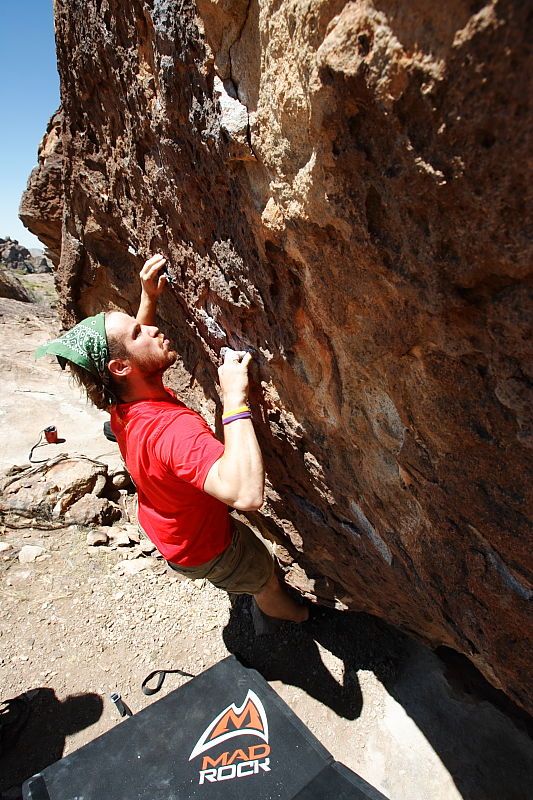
{"x": 272, "y": 585}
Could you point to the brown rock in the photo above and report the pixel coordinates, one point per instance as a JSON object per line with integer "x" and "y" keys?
{"x": 92, "y": 510}
{"x": 52, "y": 487}
{"x": 12, "y": 288}
{"x": 73, "y": 478}
{"x": 373, "y": 256}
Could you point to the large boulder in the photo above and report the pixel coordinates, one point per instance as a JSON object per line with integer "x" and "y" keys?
{"x": 12, "y": 288}
{"x": 364, "y": 235}
{"x": 53, "y": 487}
{"x": 15, "y": 255}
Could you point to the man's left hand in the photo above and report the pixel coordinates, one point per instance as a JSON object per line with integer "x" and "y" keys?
{"x": 152, "y": 283}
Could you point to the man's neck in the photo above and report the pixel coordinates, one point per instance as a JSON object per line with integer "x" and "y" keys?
{"x": 144, "y": 388}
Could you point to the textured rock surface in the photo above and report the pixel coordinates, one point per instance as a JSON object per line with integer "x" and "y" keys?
{"x": 41, "y": 208}
{"x": 92, "y": 510}
{"x": 365, "y": 237}
{"x": 57, "y": 485}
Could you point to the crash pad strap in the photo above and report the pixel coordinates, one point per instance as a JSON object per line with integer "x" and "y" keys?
{"x": 162, "y": 674}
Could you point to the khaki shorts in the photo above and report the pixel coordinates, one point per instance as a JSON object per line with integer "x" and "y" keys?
{"x": 245, "y": 567}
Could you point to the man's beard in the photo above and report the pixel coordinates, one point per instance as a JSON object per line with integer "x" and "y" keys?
{"x": 153, "y": 365}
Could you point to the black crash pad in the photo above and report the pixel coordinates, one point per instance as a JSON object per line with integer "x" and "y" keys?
{"x": 224, "y": 735}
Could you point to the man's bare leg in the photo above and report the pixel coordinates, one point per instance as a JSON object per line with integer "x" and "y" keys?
{"x": 275, "y": 602}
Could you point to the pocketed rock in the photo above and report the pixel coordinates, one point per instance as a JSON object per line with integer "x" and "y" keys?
{"x": 29, "y": 553}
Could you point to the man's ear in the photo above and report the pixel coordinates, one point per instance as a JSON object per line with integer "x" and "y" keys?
{"x": 119, "y": 368}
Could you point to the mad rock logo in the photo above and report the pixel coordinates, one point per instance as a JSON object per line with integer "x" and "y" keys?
{"x": 247, "y": 720}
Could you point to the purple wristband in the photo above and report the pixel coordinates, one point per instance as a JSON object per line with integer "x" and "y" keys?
{"x": 242, "y": 415}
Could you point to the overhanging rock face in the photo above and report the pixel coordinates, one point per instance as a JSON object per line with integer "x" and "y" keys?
{"x": 340, "y": 186}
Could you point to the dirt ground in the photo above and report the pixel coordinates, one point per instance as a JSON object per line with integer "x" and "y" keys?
{"x": 76, "y": 627}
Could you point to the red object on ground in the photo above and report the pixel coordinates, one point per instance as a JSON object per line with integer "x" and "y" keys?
{"x": 50, "y": 434}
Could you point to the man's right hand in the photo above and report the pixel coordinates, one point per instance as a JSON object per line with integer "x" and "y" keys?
{"x": 238, "y": 477}
{"x": 152, "y": 285}
{"x": 233, "y": 376}
{"x": 152, "y": 282}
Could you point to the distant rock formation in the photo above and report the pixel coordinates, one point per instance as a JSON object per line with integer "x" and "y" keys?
{"x": 340, "y": 186}
{"x": 16, "y": 256}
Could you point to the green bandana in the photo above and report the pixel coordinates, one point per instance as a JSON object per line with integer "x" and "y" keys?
{"x": 85, "y": 345}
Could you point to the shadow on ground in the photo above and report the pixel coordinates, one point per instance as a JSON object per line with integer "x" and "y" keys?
{"x": 480, "y": 737}
{"x": 40, "y": 741}
{"x": 291, "y": 655}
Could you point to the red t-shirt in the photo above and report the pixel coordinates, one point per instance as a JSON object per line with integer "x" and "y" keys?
{"x": 168, "y": 450}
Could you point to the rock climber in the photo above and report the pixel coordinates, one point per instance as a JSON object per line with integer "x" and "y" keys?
{"x": 185, "y": 477}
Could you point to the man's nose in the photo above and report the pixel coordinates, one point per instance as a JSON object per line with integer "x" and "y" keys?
{"x": 153, "y": 330}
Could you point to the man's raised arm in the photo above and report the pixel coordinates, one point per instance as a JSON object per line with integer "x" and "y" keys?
{"x": 152, "y": 285}
{"x": 238, "y": 477}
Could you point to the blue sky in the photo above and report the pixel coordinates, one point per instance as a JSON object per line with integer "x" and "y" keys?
{"x": 29, "y": 95}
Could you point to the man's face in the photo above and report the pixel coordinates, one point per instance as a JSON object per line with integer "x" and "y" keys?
{"x": 147, "y": 349}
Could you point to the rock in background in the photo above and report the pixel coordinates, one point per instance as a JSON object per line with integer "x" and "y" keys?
{"x": 12, "y": 288}
{"x": 78, "y": 489}
{"x": 18, "y": 257}
{"x": 364, "y": 234}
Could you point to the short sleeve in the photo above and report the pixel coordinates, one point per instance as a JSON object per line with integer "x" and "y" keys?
{"x": 187, "y": 447}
